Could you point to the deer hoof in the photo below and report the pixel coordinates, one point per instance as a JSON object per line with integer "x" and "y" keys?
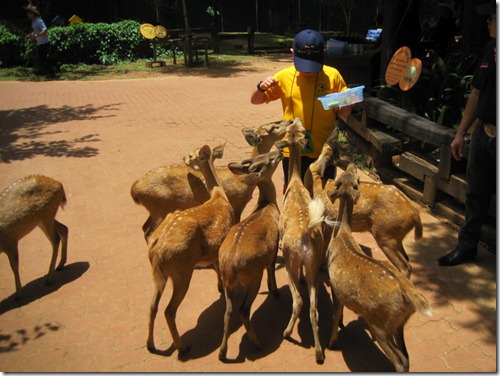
{"x": 151, "y": 348}
{"x": 320, "y": 359}
{"x": 222, "y": 356}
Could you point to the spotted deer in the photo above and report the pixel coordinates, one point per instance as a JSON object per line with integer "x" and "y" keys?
{"x": 381, "y": 209}
{"x": 251, "y": 247}
{"x": 373, "y": 289}
{"x": 30, "y": 202}
{"x": 169, "y": 188}
{"x": 188, "y": 238}
{"x": 301, "y": 238}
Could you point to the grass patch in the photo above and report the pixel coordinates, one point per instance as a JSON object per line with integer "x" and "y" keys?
{"x": 220, "y": 65}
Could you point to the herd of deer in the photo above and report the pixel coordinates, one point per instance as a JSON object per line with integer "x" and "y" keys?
{"x": 194, "y": 220}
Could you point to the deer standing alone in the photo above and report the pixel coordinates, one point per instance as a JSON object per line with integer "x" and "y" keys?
{"x": 250, "y": 247}
{"x": 301, "y": 238}
{"x": 381, "y": 209}
{"x": 29, "y": 202}
{"x": 169, "y": 188}
{"x": 373, "y": 289}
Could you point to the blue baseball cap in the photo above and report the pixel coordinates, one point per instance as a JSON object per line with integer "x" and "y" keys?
{"x": 308, "y": 51}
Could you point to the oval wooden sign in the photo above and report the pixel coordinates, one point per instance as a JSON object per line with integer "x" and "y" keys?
{"x": 148, "y": 31}
{"x": 398, "y": 66}
{"x": 411, "y": 75}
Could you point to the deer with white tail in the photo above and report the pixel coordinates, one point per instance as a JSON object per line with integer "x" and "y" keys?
{"x": 301, "y": 236}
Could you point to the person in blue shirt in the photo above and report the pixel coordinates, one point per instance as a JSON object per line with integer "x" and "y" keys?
{"x": 40, "y": 36}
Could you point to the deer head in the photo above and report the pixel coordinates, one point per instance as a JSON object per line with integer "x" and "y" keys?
{"x": 346, "y": 186}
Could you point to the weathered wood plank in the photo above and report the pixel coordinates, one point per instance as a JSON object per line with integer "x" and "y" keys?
{"x": 407, "y": 122}
{"x": 382, "y": 141}
{"x": 416, "y": 166}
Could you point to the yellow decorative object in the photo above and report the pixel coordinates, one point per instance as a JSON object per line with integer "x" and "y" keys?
{"x": 75, "y": 19}
{"x": 148, "y": 31}
{"x": 160, "y": 32}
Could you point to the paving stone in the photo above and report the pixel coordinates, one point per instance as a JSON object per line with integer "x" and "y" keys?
{"x": 98, "y": 138}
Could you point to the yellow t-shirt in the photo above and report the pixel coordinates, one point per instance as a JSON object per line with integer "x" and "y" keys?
{"x": 299, "y": 95}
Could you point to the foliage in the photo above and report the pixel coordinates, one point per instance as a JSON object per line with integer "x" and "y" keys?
{"x": 87, "y": 43}
{"x": 11, "y": 45}
{"x": 98, "y": 43}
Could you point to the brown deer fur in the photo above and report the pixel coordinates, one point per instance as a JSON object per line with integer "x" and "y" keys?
{"x": 169, "y": 188}
{"x": 185, "y": 239}
{"x": 381, "y": 210}
{"x": 301, "y": 238}
{"x": 249, "y": 248}
{"x": 29, "y": 202}
{"x": 373, "y": 289}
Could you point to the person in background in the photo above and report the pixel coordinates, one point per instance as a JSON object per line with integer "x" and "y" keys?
{"x": 41, "y": 37}
{"x": 299, "y": 87}
{"x": 481, "y": 164}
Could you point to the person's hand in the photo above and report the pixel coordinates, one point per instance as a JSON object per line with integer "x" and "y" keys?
{"x": 268, "y": 83}
{"x": 457, "y": 146}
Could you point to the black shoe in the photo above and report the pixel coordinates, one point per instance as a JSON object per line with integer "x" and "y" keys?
{"x": 456, "y": 257}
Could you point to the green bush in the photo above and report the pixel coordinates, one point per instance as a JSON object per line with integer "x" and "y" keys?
{"x": 88, "y": 43}
{"x": 98, "y": 43}
{"x": 11, "y": 46}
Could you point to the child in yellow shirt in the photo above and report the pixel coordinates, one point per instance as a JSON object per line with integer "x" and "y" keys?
{"x": 298, "y": 87}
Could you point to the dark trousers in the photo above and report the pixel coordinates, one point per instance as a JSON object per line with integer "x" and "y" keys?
{"x": 481, "y": 185}
{"x": 44, "y": 64}
{"x": 305, "y": 162}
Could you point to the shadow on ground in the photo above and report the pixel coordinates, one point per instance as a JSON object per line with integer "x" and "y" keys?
{"x": 37, "y": 289}
{"x": 23, "y": 132}
{"x": 474, "y": 284}
{"x": 13, "y": 341}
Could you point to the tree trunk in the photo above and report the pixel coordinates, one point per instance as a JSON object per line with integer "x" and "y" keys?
{"x": 257, "y": 15}
{"x": 188, "y": 59}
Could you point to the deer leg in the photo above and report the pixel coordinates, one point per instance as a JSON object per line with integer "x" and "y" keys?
{"x": 390, "y": 349}
{"x": 13, "y": 255}
{"x": 160, "y": 283}
{"x": 271, "y": 278}
{"x": 146, "y": 228}
{"x": 62, "y": 230}
{"x": 400, "y": 341}
{"x": 48, "y": 227}
{"x": 180, "y": 284}
{"x": 293, "y": 282}
{"x": 219, "y": 278}
{"x": 227, "y": 318}
{"x": 391, "y": 249}
{"x": 313, "y": 284}
{"x": 251, "y": 293}
{"x": 337, "y": 319}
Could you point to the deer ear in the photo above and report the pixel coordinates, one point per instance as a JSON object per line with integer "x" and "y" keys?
{"x": 218, "y": 151}
{"x": 238, "y": 168}
{"x": 204, "y": 153}
{"x": 357, "y": 194}
{"x": 253, "y": 178}
{"x": 252, "y": 138}
{"x": 332, "y": 195}
{"x": 281, "y": 144}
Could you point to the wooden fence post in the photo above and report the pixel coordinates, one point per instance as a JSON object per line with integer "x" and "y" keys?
{"x": 251, "y": 40}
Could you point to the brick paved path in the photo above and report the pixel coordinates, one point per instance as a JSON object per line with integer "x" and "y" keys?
{"x": 97, "y": 138}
